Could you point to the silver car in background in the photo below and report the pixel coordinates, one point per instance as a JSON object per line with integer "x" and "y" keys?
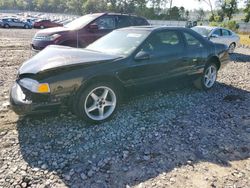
{"x": 219, "y": 35}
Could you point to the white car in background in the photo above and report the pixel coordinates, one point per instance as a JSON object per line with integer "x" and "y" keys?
{"x": 219, "y": 35}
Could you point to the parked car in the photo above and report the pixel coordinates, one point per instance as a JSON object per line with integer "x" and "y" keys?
{"x": 31, "y": 21}
{"x": 1, "y": 23}
{"x": 41, "y": 24}
{"x": 15, "y": 23}
{"x": 92, "y": 80}
{"x": 219, "y": 35}
{"x": 84, "y": 30}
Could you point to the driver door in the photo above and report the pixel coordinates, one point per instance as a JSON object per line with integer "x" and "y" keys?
{"x": 165, "y": 51}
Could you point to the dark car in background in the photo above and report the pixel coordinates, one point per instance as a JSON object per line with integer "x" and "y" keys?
{"x": 91, "y": 81}
{"x": 84, "y": 30}
{"x": 41, "y": 24}
{"x": 15, "y": 23}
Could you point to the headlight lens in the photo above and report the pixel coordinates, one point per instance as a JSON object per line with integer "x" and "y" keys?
{"x": 34, "y": 85}
{"x": 47, "y": 38}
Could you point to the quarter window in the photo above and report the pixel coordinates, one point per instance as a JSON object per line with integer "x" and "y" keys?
{"x": 123, "y": 21}
{"x": 192, "y": 42}
{"x": 139, "y": 21}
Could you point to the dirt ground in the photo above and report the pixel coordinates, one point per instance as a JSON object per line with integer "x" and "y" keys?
{"x": 157, "y": 148}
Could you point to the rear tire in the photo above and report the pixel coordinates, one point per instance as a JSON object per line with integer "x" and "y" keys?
{"x": 42, "y": 27}
{"x": 208, "y": 78}
{"x": 97, "y": 102}
{"x": 26, "y": 27}
{"x": 6, "y": 26}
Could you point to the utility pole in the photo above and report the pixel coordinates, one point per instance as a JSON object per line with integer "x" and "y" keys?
{"x": 170, "y": 7}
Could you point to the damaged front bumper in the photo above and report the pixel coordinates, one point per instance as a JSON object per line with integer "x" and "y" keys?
{"x": 24, "y": 102}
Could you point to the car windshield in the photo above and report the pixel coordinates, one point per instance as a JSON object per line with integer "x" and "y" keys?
{"x": 81, "y": 22}
{"x": 119, "y": 42}
{"x": 201, "y": 30}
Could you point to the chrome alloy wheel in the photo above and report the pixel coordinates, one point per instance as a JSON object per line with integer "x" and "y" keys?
{"x": 100, "y": 103}
{"x": 210, "y": 76}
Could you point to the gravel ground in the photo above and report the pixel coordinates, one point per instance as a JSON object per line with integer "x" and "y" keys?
{"x": 180, "y": 138}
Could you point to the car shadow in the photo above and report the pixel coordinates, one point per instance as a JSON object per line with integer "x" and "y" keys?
{"x": 149, "y": 135}
{"x": 238, "y": 57}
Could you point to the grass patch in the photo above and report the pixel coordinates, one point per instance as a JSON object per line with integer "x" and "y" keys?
{"x": 245, "y": 39}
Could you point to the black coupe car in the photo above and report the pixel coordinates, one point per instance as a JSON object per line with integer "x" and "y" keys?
{"x": 92, "y": 80}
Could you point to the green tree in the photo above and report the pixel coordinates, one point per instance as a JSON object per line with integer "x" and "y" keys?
{"x": 228, "y": 7}
{"x": 187, "y": 14}
{"x": 247, "y": 10}
{"x": 182, "y": 13}
{"x": 95, "y": 6}
{"x": 174, "y": 13}
{"x": 209, "y": 3}
{"x": 75, "y": 6}
{"x": 201, "y": 15}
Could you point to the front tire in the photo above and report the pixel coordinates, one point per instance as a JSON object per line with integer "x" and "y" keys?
{"x": 208, "y": 78}
{"x": 97, "y": 103}
{"x": 26, "y": 27}
{"x": 231, "y": 48}
{"x": 6, "y": 26}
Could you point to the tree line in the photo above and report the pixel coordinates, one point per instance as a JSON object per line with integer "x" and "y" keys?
{"x": 151, "y": 9}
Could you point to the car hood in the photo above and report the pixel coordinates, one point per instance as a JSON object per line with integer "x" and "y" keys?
{"x": 51, "y": 31}
{"x": 53, "y": 57}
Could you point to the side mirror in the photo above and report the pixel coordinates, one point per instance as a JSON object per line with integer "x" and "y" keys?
{"x": 142, "y": 55}
{"x": 93, "y": 26}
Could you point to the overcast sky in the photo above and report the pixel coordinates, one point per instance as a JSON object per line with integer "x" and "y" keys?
{"x": 194, "y": 4}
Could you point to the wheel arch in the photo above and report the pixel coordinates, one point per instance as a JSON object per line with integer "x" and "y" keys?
{"x": 215, "y": 60}
{"x": 104, "y": 78}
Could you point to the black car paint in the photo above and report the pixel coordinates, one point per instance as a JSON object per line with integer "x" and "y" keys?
{"x": 66, "y": 77}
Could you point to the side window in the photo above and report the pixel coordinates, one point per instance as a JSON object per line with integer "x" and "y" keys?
{"x": 217, "y": 32}
{"x": 123, "y": 21}
{"x": 164, "y": 43}
{"x": 192, "y": 42}
{"x": 225, "y": 32}
{"x": 106, "y": 22}
{"x": 139, "y": 21}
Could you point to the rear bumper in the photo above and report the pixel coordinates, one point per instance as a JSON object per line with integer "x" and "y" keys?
{"x": 21, "y": 105}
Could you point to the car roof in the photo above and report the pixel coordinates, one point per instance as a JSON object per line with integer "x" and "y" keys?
{"x": 155, "y": 28}
{"x": 116, "y": 14}
{"x": 211, "y": 27}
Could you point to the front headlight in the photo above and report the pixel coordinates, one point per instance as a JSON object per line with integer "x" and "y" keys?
{"x": 34, "y": 85}
{"x": 47, "y": 38}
